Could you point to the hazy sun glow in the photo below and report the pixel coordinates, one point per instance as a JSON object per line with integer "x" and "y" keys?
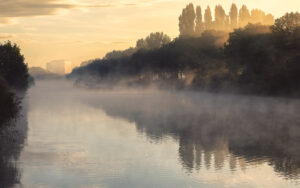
{"x": 79, "y": 30}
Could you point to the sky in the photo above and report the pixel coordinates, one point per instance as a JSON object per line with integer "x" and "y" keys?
{"x": 80, "y": 30}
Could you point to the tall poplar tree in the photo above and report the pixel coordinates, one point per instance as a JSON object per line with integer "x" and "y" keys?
{"x": 199, "y": 23}
{"x": 208, "y": 18}
{"x": 233, "y": 14}
{"x": 187, "y": 21}
{"x": 244, "y": 16}
{"x": 220, "y": 17}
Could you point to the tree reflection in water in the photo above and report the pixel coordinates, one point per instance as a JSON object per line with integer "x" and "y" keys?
{"x": 12, "y": 140}
{"x": 214, "y": 130}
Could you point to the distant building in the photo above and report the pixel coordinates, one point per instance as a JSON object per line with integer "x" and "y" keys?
{"x": 59, "y": 66}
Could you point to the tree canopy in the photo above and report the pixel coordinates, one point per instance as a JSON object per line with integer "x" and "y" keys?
{"x": 8, "y": 102}
{"x": 208, "y": 18}
{"x": 233, "y": 16}
{"x": 12, "y": 66}
{"x": 13, "y": 74}
{"x": 191, "y": 22}
{"x": 288, "y": 23}
{"x": 187, "y": 21}
{"x": 258, "y": 59}
{"x": 199, "y": 22}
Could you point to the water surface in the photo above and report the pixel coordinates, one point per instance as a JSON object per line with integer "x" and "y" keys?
{"x": 150, "y": 138}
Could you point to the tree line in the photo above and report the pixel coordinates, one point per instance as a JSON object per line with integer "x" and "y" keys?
{"x": 257, "y": 59}
{"x": 13, "y": 76}
{"x": 153, "y": 41}
{"x": 192, "y": 22}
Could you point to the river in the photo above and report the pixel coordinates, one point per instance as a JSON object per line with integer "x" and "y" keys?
{"x": 126, "y": 137}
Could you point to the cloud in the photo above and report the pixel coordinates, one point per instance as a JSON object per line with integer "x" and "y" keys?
{"x": 30, "y": 8}
{"x": 10, "y": 9}
{"x": 24, "y": 8}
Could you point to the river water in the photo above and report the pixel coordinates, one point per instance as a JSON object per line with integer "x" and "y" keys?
{"x": 150, "y": 138}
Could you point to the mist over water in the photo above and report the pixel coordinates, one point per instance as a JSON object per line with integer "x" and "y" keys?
{"x": 132, "y": 137}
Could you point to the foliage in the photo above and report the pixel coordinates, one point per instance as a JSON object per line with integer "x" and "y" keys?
{"x": 182, "y": 62}
{"x": 191, "y": 23}
{"x": 187, "y": 21}
{"x": 258, "y": 16}
{"x": 12, "y": 66}
{"x": 256, "y": 59}
{"x": 9, "y": 104}
{"x": 152, "y": 41}
{"x": 207, "y": 18}
{"x": 264, "y": 62}
{"x": 199, "y": 23}
{"x": 220, "y": 17}
{"x": 289, "y": 23}
{"x": 13, "y": 74}
{"x": 244, "y": 16}
{"x": 233, "y": 16}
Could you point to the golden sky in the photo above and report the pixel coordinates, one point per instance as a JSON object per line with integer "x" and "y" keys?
{"x": 79, "y": 30}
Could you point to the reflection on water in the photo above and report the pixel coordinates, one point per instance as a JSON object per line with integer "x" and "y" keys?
{"x": 12, "y": 139}
{"x": 150, "y": 138}
{"x": 218, "y": 128}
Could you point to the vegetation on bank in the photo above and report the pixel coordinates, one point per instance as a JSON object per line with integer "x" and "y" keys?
{"x": 257, "y": 59}
{"x": 192, "y": 22}
{"x": 13, "y": 76}
{"x": 8, "y": 103}
{"x": 39, "y": 73}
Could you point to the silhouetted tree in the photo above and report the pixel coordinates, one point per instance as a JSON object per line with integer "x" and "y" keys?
{"x": 199, "y": 22}
{"x": 12, "y": 66}
{"x": 265, "y": 62}
{"x": 120, "y": 54}
{"x": 269, "y": 19}
{"x": 287, "y": 23}
{"x": 157, "y": 40}
{"x": 255, "y": 59}
{"x": 141, "y": 43}
{"x": 233, "y": 16}
{"x": 187, "y": 21}
{"x": 208, "y": 18}
{"x": 220, "y": 17}
{"x": 152, "y": 41}
{"x": 244, "y": 16}
{"x": 8, "y": 103}
{"x": 227, "y": 23}
{"x": 258, "y": 16}
{"x": 39, "y": 69}
{"x": 247, "y": 51}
